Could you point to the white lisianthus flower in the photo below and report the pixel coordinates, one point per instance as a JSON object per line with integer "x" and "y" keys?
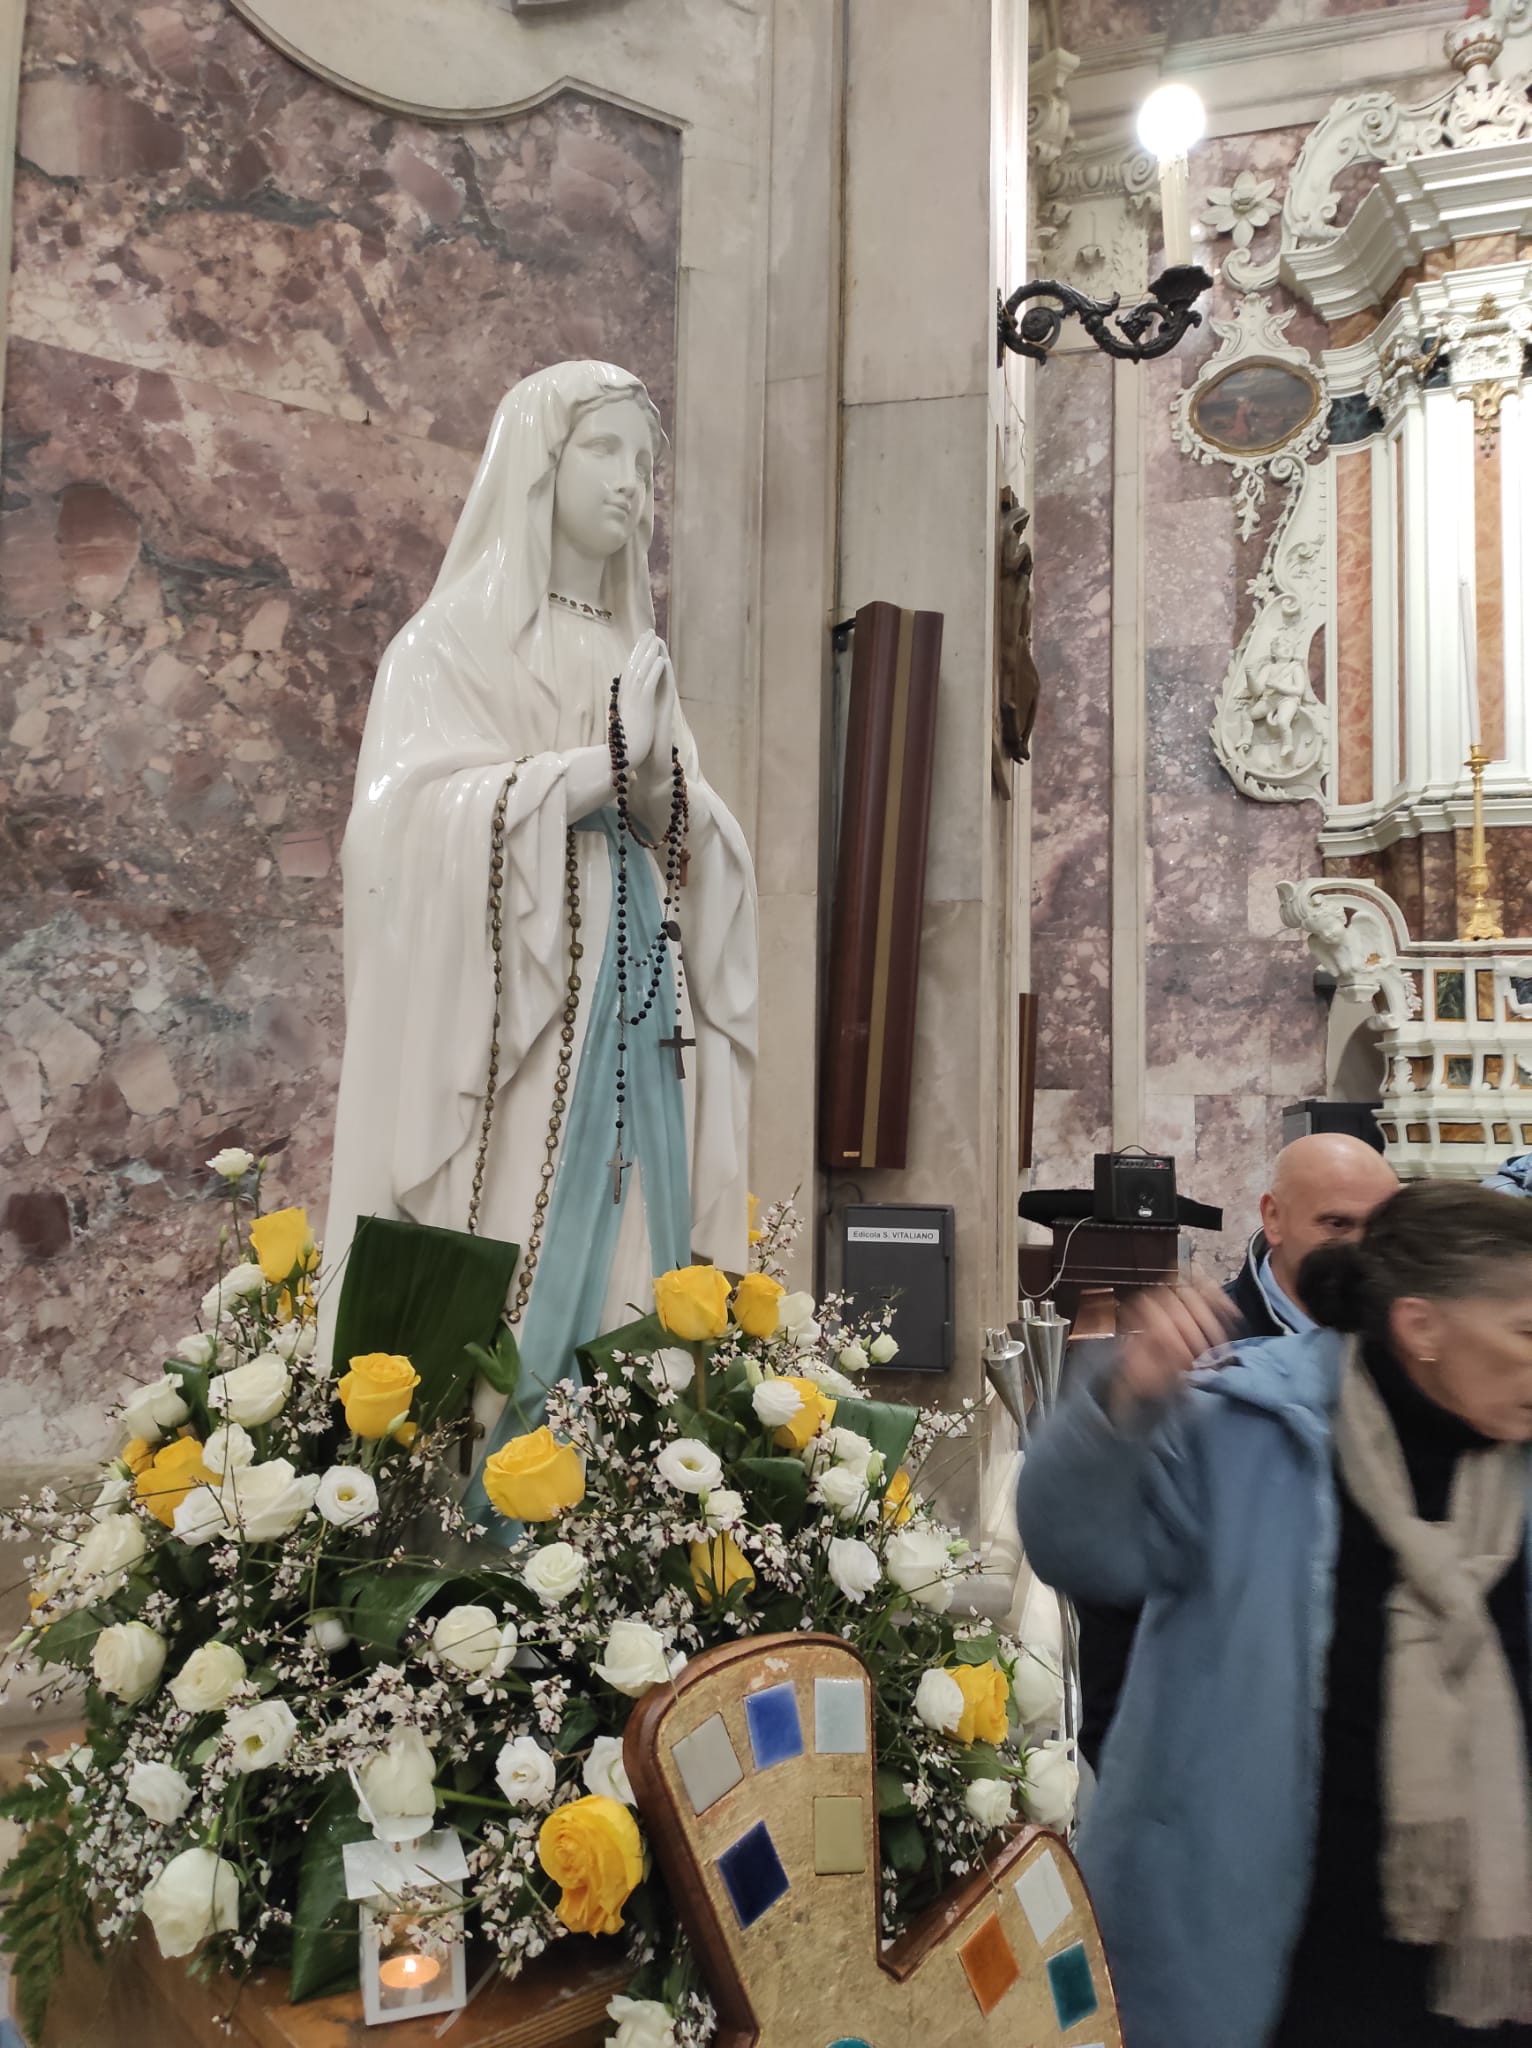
{"x": 673, "y": 1369}
{"x": 883, "y": 1350}
{"x": 228, "y": 1449}
{"x": 232, "y": 1163}
{"x": 196, "y": 1349}
{"x": 328, "y": 1633}
{"x": 251, "y": 1394}
{"x": 939, "y": 1702}
{"x": 775, "y": 1402}
{"x": 795, "y": 1313}
{"x": 347, "y": 1495}
{"x": 689, "y": 1466}
{"x": 854, "y": 1567}
{"x": 826, "y": 1378}
{"x": 108, "y": 1554}
{"x": 525, "y": 1772}
{"x": 155, "y": 1410}
{"x": 1053, "y": 1781}
{"x": 1038, "y": 1687}
{"x": 194, "y": 1897}
{"x": 989, "y": 1801}
{"x": 271, "y": 1499}
{"x": 115, "y": 1491}
{"x": 843, "y": 1491}
{"x": 723, "y": 1508}
{"x": 262, "y": 1735}
{"x": 235, "y": 1285}
{"x": 917, "y": 1561}
{"x": 635, "y": 1659}
{"x": 127, "y": 1660}
{"x": 399, "y": 1783}
{"x": 474, "y": 1640}
{"x": 641, "y": 2023}
{"x": 207, "y": 1679}
{"x": 848, "y": 1448}
{"x": 554, "y": 1572}
{"x": 201, "y": 1517}
{"x": 605, "y": 1773}
{"x": 852, "y": 1358}
{"x": 158, "y": 1791}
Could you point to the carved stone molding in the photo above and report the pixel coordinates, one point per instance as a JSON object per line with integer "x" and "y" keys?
{"x": 1257, "y": 335}
{"x": 1358, "y": 934}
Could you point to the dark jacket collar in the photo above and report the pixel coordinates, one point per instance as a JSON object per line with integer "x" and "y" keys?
{"x": 1249, "y": 1296}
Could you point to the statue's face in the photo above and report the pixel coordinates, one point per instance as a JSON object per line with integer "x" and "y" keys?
{"x": 604, "y": 479}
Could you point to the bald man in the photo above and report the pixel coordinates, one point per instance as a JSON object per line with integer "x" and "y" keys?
{"x": 1323, "y": 1191}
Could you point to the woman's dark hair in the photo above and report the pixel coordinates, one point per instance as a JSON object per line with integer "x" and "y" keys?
{"x": 1433, "y": 1238}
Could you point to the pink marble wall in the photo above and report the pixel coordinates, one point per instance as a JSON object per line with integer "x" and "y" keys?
{"x": 1083, "y": 22}
{"x": 258, "y": 332}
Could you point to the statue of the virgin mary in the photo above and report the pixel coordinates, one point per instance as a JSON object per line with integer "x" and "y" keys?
{"x": 528, "y": 795}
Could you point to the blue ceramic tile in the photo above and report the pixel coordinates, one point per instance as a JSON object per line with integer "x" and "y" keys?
{"x": 776, "y": 1734}
{"x": 840, "y": 1717}
{"x": 752, "y": 1874}
{"x": 1074, "y": 1993}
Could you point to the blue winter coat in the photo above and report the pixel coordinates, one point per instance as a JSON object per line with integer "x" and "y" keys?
{"x": 1219, "y": 1511}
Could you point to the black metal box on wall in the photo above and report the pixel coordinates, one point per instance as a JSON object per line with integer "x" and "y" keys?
{"x": 1135, "y": 1187}
{"x": 901, "y": 1253}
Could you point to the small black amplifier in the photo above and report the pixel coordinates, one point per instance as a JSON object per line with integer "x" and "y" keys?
{"x": 901, "y": 1254}
{"x": 1135, "y": 1187}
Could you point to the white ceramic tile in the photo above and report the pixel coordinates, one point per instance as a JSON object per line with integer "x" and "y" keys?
{"x": 840, "y": 1717}
{"x": 707, "y": 1763}
{"x": 1042, "y": 1897}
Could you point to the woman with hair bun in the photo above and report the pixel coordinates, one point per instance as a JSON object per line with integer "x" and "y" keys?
{"x": 1313, "y": 1825}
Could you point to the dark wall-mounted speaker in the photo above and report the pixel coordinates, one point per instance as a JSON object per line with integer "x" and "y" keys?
{"x": 1135, "y": 1187}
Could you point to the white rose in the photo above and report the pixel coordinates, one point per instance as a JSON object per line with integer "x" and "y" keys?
{"x": 475, "y": 1641}
{"x": 207, "y": 1678}
{"x": 155, "y": 1409}
{"x": 233, "y": 1162}
{"x": 159, "y": 1792}
{"x": 234, "y": 1286}
{"x": 1038, "y": 1687}
{"x": 689, "y": 1466}
{"x": 917, "y": 1563}
{"x": 853, "y": 1358}
{"x": 635, "y": 1658}
{"x": 794, "y": 1312}
{"x": 200, "y": 1518}
{"x": 854, "y": 1567}
{"x": 939, "y": 1702}
{"x": 554, "y": 1572}
{"x": 843, "y": 1492}
{"x": 262, "y": 1735}
{"x": 253, "y": 1393}
{"x": 399, "y": 1782}
{"x": 525, "y": 1772}
{"x": 883, "y": 1350}
{"x": 115, "y": 1492}
{"x": 723, "y": 1508}
{"x": 194, "y": 1897}
{"x": 128, "y": 1658}
{"x": 776, "y": 1402}
{"x": 228, "y": 1449}
{"x": 346, "y": 1495}
{"x": 673, "y": 1369}
{"x": 1053, "y": 1780}
{"x": 826, "y": 1378}
{"x": 328, "y": 1633}
{"x": 846, "y": 1447}
{"x": 989, "y": 1801}
{"x": 271, "y": 1499}
{"x": 641, "y": 2023}
{"x": 108, "y": 1554}
{"x": 605, "y": 1772}
{"x": 196, "y": 1349}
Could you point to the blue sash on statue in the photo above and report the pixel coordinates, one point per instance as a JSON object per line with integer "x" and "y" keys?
{"x": 580, "y": 1235}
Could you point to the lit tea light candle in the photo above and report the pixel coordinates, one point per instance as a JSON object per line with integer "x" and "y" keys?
{"x": 408, "y": 1972}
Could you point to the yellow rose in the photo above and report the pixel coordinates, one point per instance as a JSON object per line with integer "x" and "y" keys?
{"x": 137, "y": 1453}
{"x": 718, "y": 1566}
{"x": 693, "y": 1303}
{"x": 898, "y": 1499}
{"x": 985, "y": 1689}
{"x": 169, "y": 1477}
{"x": 533, "y": 1478}
{"x": 377, "y": 1391}
{"x": 282, "y": 1241}
{"x": 815, "y": 1411}
{"x": 592, "y": 1848}
{"x": 755, "y": 1304}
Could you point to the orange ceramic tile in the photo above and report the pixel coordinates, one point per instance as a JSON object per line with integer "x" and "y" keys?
{"x": 989, "y": 1964}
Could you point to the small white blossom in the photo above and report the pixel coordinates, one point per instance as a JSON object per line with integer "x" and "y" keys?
{"x": 605, "y": 1772}
{"x": 347, "y": 1495}
{"x": 525, "y": 1772}
{"x": 232, "y": 1163}
{"x": 689, "y": 1466}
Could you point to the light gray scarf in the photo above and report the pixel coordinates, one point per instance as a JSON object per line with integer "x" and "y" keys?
{"x": 1457, "y": 1844}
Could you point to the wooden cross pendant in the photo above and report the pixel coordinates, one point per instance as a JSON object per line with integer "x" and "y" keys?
{"x": 677, "y": 1043}
{"x": 619, "y": 1166}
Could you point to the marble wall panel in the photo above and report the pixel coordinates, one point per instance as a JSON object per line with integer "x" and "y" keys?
{"x": 258, "y": 333}
{"x": 1084, "y": 22}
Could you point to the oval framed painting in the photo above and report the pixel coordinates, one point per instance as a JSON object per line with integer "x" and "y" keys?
{"x": 1254, "y": 407}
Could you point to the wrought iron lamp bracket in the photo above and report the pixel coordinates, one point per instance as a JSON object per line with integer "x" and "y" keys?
{"x": 1135, "y": 334}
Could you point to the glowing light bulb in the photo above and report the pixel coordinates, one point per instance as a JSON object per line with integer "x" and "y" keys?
{"x": 1171, "y": 121}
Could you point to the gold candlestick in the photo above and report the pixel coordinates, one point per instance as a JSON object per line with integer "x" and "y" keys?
{"x": 1482, "y": 923}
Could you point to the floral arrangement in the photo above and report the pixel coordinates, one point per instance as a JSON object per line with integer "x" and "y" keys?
{"x": 277, "y": 1603}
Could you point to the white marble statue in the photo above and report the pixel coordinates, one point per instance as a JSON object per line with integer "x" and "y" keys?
{"x": 498, "y": 692}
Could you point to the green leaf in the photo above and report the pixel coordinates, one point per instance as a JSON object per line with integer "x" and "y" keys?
{"x": 424, "y": 1294}
{"x": 499, "y": 1366}
{"x": 324, "y": 1921}
{"x": 579, "y": 1725}
{"x": 891, "y": 1795}
{"x": 887, "y": 1426}
{"x": 977, "y": 1649}
{"x": 642, "y": 1339}
{"x": 904, "y": 1846}
{"x": 983, "y": 1760}
{"x": 780, "y": 1487}
{"x": 385, "y": 1603}
{"x": 71, "y": 1640}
